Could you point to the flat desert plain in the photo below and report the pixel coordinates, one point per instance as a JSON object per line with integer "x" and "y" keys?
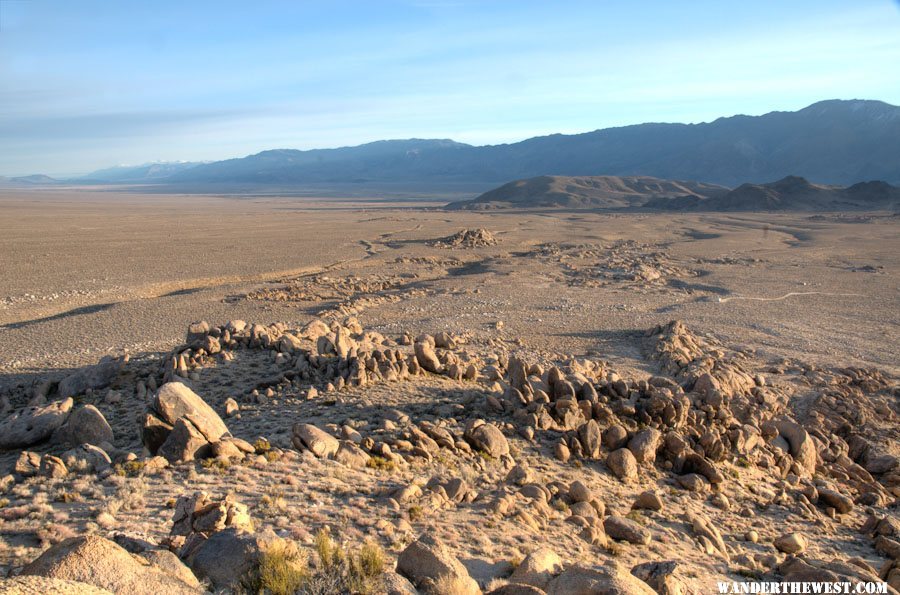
{"x": 478, "y": 386}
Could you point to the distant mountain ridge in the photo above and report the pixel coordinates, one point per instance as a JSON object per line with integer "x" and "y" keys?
{"x": 597, "y": 192}
{"x": 832, "y": 142}
{"x": 794, "y": 193}
{"x": 146, "y": 172}
{"x": 612, "y": 193}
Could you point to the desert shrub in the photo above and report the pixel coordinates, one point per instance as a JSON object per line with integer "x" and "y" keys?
{"x": 216, "y": 465}
{"x": 283, "y": 569}
{"x": 129, "y": 468}
{"x": 380, "y": 463}
{"x": 342, "y": 571}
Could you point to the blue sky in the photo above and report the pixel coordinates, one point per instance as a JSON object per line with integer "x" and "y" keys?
{"x": 84, "y": 85}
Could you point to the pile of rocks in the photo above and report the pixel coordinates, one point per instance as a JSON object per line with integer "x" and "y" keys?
{"x": 467, "y": 238}
{"x": 180, "y": 426}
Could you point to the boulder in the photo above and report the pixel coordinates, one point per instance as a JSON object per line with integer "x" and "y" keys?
{"x": 175, "y": 401}
{"x": 625, "y": 529}
{"x": 85, "y": 425}
{"x": 87, "y": 458}
{"x": 53, "y": 467}
{"x": 538, "y": 568}
{"x": 608, "y": 580}
{"x": 171, "y": 565}
{"x": 93, "y": 377}
{"x": 102, "y": 563}
{"x": 590, "y": 437}
{"x": 623, "y": 464}
{"x": 841, "y": 503}
{"x": 426, "y": 356}
{"x": 488, "y": 439}
{"x": 579, "y": 492}
{"x": 184, "y": 443}
{"x": 28, "y": 464}
{"x": 225, "y": 557}
{"x": 649, "y": 500}
{"x": 427, "y": 560}
{"x": 351, "y": 455}
{"x": 320, "y": 443}
{"x": 33, "y": 424}
{"x": 643, "y": 445}
{"x": 395, "y": 584}
{"x": 791, "y": 543}
{"x": 663, "y": 577}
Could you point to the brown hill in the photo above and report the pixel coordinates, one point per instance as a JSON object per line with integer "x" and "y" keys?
{"x": 603, "y": 192}
{"x": 794, "y": 194}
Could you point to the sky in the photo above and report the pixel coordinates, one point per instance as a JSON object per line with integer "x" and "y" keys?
{"x": 86, "y": 85}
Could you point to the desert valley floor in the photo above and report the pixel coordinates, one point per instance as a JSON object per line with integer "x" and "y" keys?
{"x": 485, "y": 396}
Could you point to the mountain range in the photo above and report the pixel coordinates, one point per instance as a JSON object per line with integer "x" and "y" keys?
{"x": 830, "y": 142}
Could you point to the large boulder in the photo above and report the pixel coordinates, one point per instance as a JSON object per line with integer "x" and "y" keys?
{"x": 425, "y": 355}
{"x": 608, "y": 580}
{"x": 176, "y": 400}
{"x": 488, "y": 439}
{"x": 93, "y": 377}
{"x": 319, "y": 442}
{"x": 102, "y": 563}
{"x": 644, "y": 444}
{"x": 184, "y": 443}
{"x": 623, "y": 464}
{"x": 624, "y": 529}
{"x": 226, "y": 557}
{"x": 85, "y": 425}
{"x": 179, "y": 425}
{"x": 427, "y": 561}
{"x": 538, "y": 568}
{"x": 33, "y": 424}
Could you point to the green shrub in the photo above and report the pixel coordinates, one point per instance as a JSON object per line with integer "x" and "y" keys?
{"x": 283, "y": 569}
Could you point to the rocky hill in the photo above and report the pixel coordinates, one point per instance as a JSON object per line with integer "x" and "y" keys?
{"x": 602, "y": 192}
{"x": 613, "y": 193}
{"x": 793, "y": 194}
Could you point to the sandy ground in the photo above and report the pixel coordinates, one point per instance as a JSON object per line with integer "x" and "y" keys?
{"x": 89, "y": 273}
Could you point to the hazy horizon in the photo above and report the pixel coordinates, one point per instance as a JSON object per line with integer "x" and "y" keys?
{"x": 91, "y": 85}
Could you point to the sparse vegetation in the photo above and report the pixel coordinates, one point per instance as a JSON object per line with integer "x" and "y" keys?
{"x": 129, "y": 468}
{"x": 380, "y": 463}
{"x": 283, "y": 569}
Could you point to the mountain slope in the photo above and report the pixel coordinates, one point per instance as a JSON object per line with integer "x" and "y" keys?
{"x": 797, "y": 194}
{"x": 833, "y": 142}
{"x": 602, "y": 192}
{"x": 148, "y": 172}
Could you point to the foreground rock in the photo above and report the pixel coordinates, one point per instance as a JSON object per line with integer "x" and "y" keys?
{"x": 427, "y": 561}
{"x": 33, "y": 424}
{"x": 85, "y": 425}
{"x": 105, "y": 564}
{"x": 609, "y": 580}
{"x": 179, "y": 425}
